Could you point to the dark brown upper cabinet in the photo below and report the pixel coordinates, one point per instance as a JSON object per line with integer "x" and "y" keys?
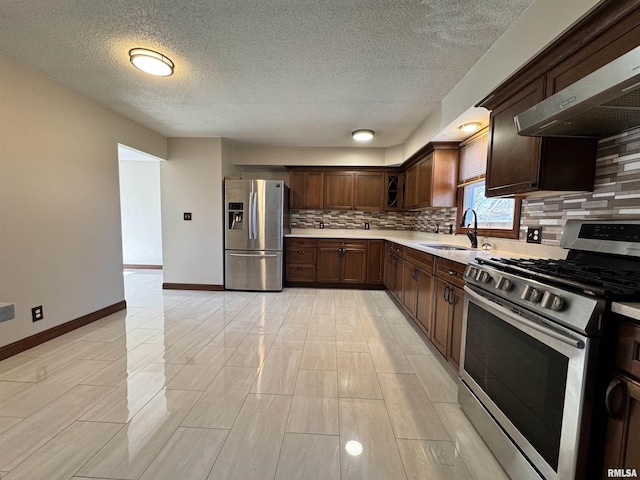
{"x": 307, "y": 190}
{"x": 339, "y": 188}
{"x": 519, "y": 165}
{"x": 369, "y": 191}
{"x": 430, "y": 179}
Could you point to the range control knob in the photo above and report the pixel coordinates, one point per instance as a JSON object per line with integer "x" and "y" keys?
{"x": 484, "y": 277}
{"x": 472, "y": 272}
{"x": 530, "y": 293}
{"x": 551, "y": 301}
{"x": 504, "y": 284}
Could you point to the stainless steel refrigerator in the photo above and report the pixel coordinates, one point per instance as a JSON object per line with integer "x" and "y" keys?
{"x": 256, "y": 219}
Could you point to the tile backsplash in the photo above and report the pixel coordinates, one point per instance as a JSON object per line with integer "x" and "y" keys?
{"x": 616, "y": 194}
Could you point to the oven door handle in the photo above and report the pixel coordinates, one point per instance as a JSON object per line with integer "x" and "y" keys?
{"x": 538, "y": 326}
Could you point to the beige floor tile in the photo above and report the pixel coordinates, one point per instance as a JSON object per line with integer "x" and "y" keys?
{"x": 132, "y": 449}
{"x": 299, "y": 313}
{"x": 119, "y": 347}
{"x": 477, "y": 457}
{"x": 41, "y": 368}
{"x": 206, "y": 366}
{"x": 324, "y": 306}
{"x": 394, "y": 316}
{"x": 20, "y": 441}
{"x": 184, "y": 351}
{"x": 314, "y": 408}
{"x": 383, "y": 300}
{"x": 171, "y": 334}
{"x": 366, "y": 422}
{"x": 279, "y": 372}
{"x": 375, "y": 327}
{"x": 280, "y": 304}
{"x": 291, "y": 336}
{"x": 11, "y": 363}
{"x": 319, "y": 353}
{"x": 412, "y": 342}
{"x": 351, "y": 338}
{"x": 128, "y": 399}
{"x": 347, "y": 316}
{"x": 309, "y": 457}
{"x": 242, "y": 324}
{"x": 7, "y": 422}
{"x": 219, "y": 405}
{"x": 189, "y": 454}
{"x": 387, "y": 356}
{"x": 110, "y": 333}
{"x": 411, "y": 413}
{"x": 37, "y": 395}
{"x": 9, "y": 389}
{"x": 217, "y": 321}
{"x": 253, "y": 445}
{"x": 120, "y": 370}
{"x": 227, "y": 339}
{"x": 357, "y": 376}
{"x": 435, "y": 377}
{"x": 428, "y": 460}
{"x": 268, "y": 322}
{"x": 303, "y": 300}
{"x": 344, "y": 299}
{"x": 368, "y": 308}
{"x": 252, "y": 351}
{"x": 322, "y": 326}
{"x": 66, "y": 453}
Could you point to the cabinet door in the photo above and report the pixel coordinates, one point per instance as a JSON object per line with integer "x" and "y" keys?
{"x": 297, "y": 191}
{"x": 314, "y": 188}
{"x": 338, "y": 190}
{"x": 513, "y": 162}
{"x": 389, "y": 272}
{"x": 440, "y": 326}
{"x": 622, "y": 449}
{"x": 369, "y": 191}
{"x": 456, "y": 299}
{"x": 410, "y": 288}
{"x": 425, "y": 181}
{"x": 397, "y": 272}
{"x": 375, "y": 261}
{"x": 411, "y": 187}
{"x": 354, "y": 265}
{"x": 329, "y": 265}
{"x": 393, "y": 185}
{"x": 424, "y": 294}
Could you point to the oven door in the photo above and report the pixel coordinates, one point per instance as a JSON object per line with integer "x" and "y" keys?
{"x": 529, "y": 374}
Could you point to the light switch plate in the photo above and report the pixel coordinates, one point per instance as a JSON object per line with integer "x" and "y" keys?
{"x": 534, "y": 235}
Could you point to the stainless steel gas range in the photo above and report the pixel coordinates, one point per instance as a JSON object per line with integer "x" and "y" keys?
{"x": 536, "y": 349}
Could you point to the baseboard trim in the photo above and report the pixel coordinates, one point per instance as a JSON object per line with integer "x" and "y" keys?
{"x": 142, "y": 267}
{"x": 353, "y": 286}
{"x": 34, "y": 340}
{"x": 193, "y": 286}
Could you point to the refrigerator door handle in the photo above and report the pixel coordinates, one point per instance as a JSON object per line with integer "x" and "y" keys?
{"x": 249, "y": 214}
{"x": 254, "y": 213}
{"x": 251, "y": 255}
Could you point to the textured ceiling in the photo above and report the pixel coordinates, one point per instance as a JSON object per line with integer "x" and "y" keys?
{"x": 270, "y": 72}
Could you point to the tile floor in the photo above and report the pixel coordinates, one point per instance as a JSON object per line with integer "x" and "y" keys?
{"x": 304, "y": 384}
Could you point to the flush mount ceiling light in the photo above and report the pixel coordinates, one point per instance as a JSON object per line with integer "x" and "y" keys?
{"x": 362, "y": 135}
{"x": 353, "y": 448}
{"x": 151, "y": 62}
{"x": 469, "y": 127}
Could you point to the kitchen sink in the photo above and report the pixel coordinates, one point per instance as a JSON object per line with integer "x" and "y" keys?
{"x": 443, "y": 247}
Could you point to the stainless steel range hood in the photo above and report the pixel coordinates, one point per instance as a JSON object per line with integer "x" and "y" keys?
{"x": 603, "y": 103}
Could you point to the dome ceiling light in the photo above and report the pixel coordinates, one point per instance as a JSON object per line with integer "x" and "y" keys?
{"x": 151, "y": 62}
{"x": 362, "y": 135}
{"x": 469, "y": 127}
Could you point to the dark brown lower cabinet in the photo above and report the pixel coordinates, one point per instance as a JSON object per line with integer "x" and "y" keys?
{"x": 375, "y": 261}
{"x": 446, "y": 333}
{"x": 622, "y": 443}
{"x": 328, "y": 268}
{"x": 342, "y": 261}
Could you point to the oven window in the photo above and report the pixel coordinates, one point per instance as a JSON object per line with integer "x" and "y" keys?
{"x": 525, "y": 378}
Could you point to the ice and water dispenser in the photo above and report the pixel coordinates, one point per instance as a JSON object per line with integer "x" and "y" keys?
{"x": 236, "y": 215}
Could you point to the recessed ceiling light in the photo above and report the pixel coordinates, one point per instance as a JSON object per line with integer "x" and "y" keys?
{"x": 469, "y": 127}
{"x": 362, "y": 135}
{"x": 151, "y": 62}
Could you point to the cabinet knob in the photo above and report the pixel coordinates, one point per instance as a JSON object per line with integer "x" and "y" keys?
{"x": 452, "y": 272}
{"x": 300, "y": 268}
{"x": 301, "y": 252}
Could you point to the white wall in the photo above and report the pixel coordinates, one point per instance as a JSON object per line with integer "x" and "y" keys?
{"x": 60, "y": 243}
{"x": 140, "y": 212}
{"x": 191, "y": 181}
{"x": 316, "y": 156}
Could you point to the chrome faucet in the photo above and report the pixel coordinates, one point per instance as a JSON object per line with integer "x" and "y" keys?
{"x": 473, "y": 235}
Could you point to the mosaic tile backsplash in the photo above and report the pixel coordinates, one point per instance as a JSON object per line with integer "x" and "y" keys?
{"x": 616, "y": 194}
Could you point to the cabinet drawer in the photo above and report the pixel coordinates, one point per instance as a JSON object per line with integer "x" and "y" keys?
{"x": 301, "y": 255}
{"x": 301, "y": 273}
{"x": 420, "y": 259}
{"x": 628, "y": 351}
{"x": 301, "y": 243}
{"x": 396, "y": 249}
{"x": 450, "y": 271}
{"x": 342, "y": 243}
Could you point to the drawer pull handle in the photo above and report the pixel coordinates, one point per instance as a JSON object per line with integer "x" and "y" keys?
{"x": 611, "y": 389}
{"x": 451, "y": 272}
{"x": 300, "y": 268}
{"x": 301, "y": 252}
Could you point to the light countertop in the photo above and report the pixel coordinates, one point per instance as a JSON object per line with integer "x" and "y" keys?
{"x": 628, "y": 309}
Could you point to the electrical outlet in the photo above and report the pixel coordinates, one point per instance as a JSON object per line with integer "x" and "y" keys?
{"x": 187, "y": 216}
{"x": 36, "y": 313}
{"x": 534, "y": 235}
{"x": 321, "y": 224}
{"x": 366, "y": 225}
